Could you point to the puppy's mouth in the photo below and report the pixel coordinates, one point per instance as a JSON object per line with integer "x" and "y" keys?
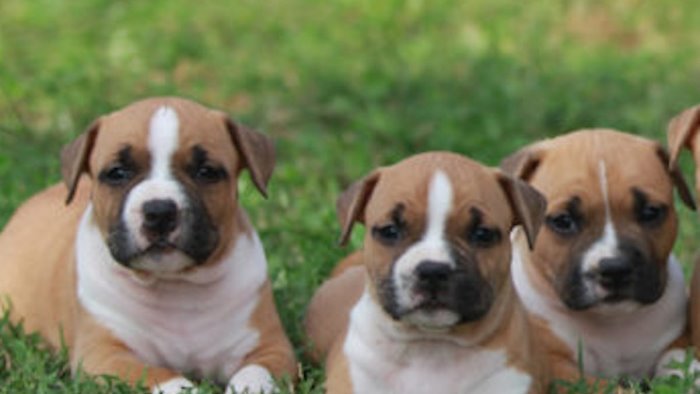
{"x": 431, "y": 305}
{"x": 159, "y": 247}
{"x": 614, "y": 298}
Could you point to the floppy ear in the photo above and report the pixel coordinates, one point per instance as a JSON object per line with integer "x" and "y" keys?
{"x": 352, "y": 202}
{"x": 527, "y": 204}
{"x": 676, "y": 177}
{"x": 523, "y": 163}
{"x": 257, "y": 152}
{"x": 75, "y": 158}
{"x": 682, "y": 130}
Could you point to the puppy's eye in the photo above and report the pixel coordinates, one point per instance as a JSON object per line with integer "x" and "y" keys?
{"x": 388, "y": 234}
{"x": 208, "y": 174}
{"x": 484, "y": 237}
{"x": 650, "y": 215}
{"x": 563, "y": 223}
{"x": 117, "y": 175}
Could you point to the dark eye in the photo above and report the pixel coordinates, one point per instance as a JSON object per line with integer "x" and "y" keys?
{"x": 484, "y": 237}
{"x": 388, "y": 234}
{"x": 117, "y": 175}
{"x": 563, "y": 223}
{"x": 208, "y": 174}
{"x": 651, "y": 214}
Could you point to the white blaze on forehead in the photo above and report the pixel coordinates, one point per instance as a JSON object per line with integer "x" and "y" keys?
{"x": 603, "y": 178}
{"x": 163, "y": 139}
{"x": 439, "y": 205}
{"x": 606, "y": 245}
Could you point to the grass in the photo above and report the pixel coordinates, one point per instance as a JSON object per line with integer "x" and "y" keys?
{"x": 343, "y": 86}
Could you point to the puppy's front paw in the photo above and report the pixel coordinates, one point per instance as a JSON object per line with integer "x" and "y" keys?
{"x": 251, "y": 379}
{"x": 665, "y": 365}
{"x": 174, "y": 386}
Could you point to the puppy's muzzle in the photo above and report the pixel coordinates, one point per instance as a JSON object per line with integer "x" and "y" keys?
{"x": 160, "y": 218}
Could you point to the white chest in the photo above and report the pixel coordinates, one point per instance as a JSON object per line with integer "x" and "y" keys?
{"x": 190, "y": 326}
{"x": 379, "y": 363}
{"x": 626, "y": 342}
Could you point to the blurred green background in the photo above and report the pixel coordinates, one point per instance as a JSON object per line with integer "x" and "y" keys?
{"x": 342, "y": 86}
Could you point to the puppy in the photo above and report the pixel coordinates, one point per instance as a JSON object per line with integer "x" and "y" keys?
{"x": 428, "y": 305}
{"x": 683, "y": 133}
{"x": 152, "y": 269}
{"x": 601, "y": 275}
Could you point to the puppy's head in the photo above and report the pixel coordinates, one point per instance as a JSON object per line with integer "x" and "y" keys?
{"x": 436, "y": 244}
{"x": 164, "y": 174}
{"x": 610, "y": 221}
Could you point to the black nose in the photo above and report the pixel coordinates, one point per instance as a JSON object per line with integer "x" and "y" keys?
{"x": 159, "y": 217}
{"x": 615, "y": 272}
{"x": 432, "y": 276}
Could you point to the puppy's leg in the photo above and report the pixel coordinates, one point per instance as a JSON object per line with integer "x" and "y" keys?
{"x": 328, "y": 313}
{"x": 564, "y": 370}
{"x": 273, "y": 358}
{"x": 98, "y": 352}
{"x": 337, "y": 372}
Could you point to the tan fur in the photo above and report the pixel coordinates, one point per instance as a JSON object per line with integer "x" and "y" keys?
{"x": 683, "y": 133}
{"x": 568, "y": 165}
{"x": 575, "y": 165}
{"x": 37, "y": 275}
{"x": 274, "y": 353}
{"x": 504, "y": 327}
{"x": 327, "y": 314}
{"x": 37, "y": 262}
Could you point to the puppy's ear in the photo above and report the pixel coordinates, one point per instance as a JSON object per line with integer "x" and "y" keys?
{"x": 523, "y": 163}
{"x": 75, "y": 158}
{"x": 527, "y": 204}
{"x": 682, "y": 130}
{"x": 257, "y": 152}
{"x": 676, "y": 177}
{"x": 352, "y": 202}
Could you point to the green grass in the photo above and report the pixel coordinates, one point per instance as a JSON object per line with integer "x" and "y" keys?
{"x": 343, "y": 86}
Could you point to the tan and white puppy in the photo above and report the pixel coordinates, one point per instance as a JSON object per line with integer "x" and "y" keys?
{"x": 428, "y": 305}
{"x": 601, "y": 275}
{"x": 153, "y": 270}
{"x": 683, "y": 133}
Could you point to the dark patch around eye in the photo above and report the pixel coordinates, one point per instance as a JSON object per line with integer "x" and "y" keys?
{"x": 646, "y": 213}
{"x": 122, "y": 171}
{"x": 568, "y": 222}
{"x": 199, "y": 155}
{"x": 202, "y": 170}
{"x": 393, "y": 232}
{"x": 480, "y": 235}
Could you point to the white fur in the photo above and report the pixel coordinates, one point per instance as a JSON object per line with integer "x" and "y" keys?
{"x": 252, "y": 378}
{"x": 439, "y": 206}
{"x": 173, "y": 386}
{"x": 163, "y": 138}
{"x": 627, "y": 343}
{"x": 383, "y": 358}
{"x": 664, "y": 368}
{"x": 196, "y": 322}
{"x": 433, "y": 247}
